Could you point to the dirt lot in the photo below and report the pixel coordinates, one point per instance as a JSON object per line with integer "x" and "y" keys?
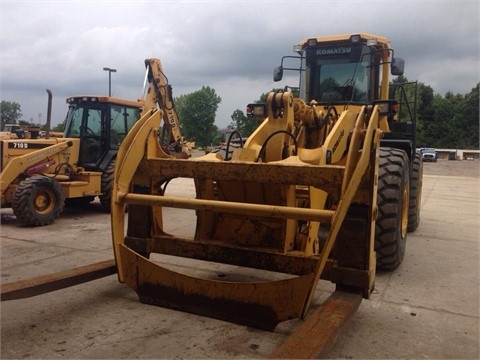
{"x": 428, "y": 308}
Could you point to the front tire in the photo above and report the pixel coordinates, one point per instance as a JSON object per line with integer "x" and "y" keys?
{"x": 392, "y": 204}
{"x": 415, "y": 193}
{"x": 38, "y": 201}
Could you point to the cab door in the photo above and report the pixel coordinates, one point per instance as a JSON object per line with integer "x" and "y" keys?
{"x": 93, "y": 143}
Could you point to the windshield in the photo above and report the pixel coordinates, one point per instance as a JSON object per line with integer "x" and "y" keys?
{"x": 92, "y": 124}
{"x": 73, "y": 121}
{"x": 338, "y": 74}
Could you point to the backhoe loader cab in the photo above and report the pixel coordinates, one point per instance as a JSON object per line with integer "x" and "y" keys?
{"x": 100, "y": 123}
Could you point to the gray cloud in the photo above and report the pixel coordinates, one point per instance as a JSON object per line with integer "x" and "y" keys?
{"x": 230, "y": 46}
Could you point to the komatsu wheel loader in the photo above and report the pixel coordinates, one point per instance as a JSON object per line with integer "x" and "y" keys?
{"x": 297, "y": 204}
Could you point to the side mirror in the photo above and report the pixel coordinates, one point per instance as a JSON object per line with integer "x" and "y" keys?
{"x": 278, "y": 73}
{"x": 397, "y": 66}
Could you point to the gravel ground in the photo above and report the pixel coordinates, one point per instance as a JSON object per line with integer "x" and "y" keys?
{"x": 469, "y": 168}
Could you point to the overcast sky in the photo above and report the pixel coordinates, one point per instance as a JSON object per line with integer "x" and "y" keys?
{"x": 231, "y": 46}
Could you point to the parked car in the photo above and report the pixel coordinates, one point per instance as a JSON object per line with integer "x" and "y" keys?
{"x": 429, "y": 154}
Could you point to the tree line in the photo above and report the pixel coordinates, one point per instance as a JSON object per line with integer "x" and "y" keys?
{"x": 446, "y": 122}
{"x": 449, "y": 121}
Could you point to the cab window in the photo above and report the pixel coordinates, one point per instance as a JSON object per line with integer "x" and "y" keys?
{"x": 123, "y": 118}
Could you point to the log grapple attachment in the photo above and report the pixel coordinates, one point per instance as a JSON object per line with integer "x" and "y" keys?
{"x": 294, "y": 205}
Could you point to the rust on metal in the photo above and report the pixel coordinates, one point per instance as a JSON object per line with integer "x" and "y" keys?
{"x": 56, "y": 281}
{"x": 318, "y": 334}
{"x": 231, "y": 207}
{"x": 287, "y": 173}
{"x": 261, "y": 304}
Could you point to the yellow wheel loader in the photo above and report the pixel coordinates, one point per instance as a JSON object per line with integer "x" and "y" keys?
{"x": 296, "y": 204}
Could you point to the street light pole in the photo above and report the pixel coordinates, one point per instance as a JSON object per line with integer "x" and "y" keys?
{"x": 109, "y": 79}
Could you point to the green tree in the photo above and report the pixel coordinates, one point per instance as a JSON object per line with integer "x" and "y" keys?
{"x": 445, "y": 129}
{"x": 10, "y": 112}
{"x": 245, "y": 125}
{"x": 450, "y": 121}
{"x": 469, "y": 119}
{"x": 196, "y": 112}
{"x": 434, "y": 125}
{"x": 242, "y": 123}
{"x": 424, "y": 110}
{"x": 59, "y": 127}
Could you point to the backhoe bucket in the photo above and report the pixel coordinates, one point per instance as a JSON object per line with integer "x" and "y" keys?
{"x": 277, "y": 217}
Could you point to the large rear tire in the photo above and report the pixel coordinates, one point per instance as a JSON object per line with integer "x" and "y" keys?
{"x": 392, "y": 203}
{"x": 415, "y": 193}
{"x": 106, "y": 184}
{"x": 38, "y": 201}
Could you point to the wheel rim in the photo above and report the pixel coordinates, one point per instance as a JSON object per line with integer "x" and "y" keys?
{"x": 404, "y": 211}
{"x": 44, "y": 202}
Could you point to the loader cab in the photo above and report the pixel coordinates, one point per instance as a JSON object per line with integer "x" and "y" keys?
{"x": 346, "y": 69}
{"x": 101, "y": 124}
{"x": 343, "y": 71}
{"x": 340, "y": 74}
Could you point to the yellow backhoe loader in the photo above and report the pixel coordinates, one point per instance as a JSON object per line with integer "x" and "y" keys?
{"x": 40, "y": 175}
{"x": 320, "y": 191}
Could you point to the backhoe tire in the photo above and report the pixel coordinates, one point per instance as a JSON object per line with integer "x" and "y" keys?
{"x": 392, "y": 204}
{"x": 38, "y": 201}
{"x": 106, "y": 186}
{"x": 415, "y": 202}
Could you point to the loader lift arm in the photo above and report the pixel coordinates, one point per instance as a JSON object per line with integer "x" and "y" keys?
{"x": 22, "y": 163}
